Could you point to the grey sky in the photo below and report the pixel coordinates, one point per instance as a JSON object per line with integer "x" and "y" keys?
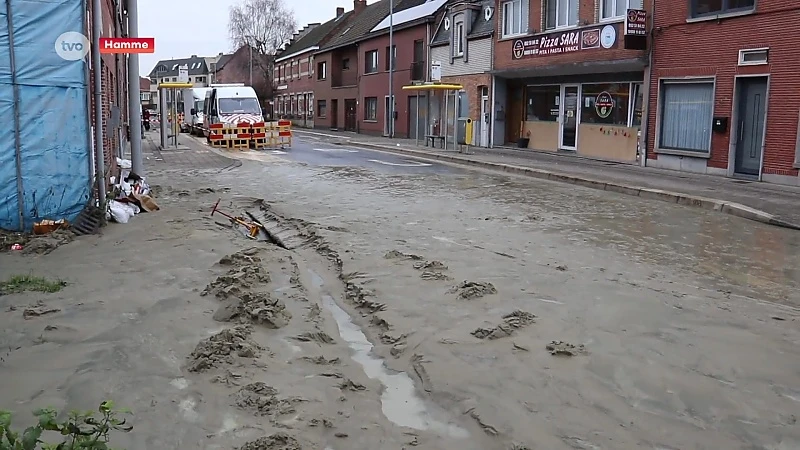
{"x": 200, "y": 27}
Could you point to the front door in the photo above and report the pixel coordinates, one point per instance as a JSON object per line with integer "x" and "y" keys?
{"x": 569, "y": 117}
{"x": 350, "y": 114}
{"x": 483, "y": 120}
{"x": 334, "y": 112}
{"x": 752, "y": 101}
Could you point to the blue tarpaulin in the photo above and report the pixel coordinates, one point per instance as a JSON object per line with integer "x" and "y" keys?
{"x": 45, "y": 160}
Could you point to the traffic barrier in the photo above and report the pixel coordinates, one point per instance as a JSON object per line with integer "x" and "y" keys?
{"x": 260, "y": 136}
{"x": 242, "y": 136}
{"x": 285, "y": 133}
{"x": 222, "y": 135}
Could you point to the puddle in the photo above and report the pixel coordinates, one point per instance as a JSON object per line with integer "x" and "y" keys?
{"x": 399, "y": 400}
{"x": 316, "y": 280}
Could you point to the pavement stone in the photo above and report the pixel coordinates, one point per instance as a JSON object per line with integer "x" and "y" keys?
{"x": 190, "y": 154}
{"x": 768, "y": 203}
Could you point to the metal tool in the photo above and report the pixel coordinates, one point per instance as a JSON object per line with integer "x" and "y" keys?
{"x": 252, "y": 228}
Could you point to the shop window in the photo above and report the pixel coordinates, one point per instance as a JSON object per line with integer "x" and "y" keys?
{"x": 463, "y": 105}
{"x": 686, "y": 114}
{"x": 371, "y": 61}
{"x": 371, "y": 108}
{"x": 606, "y": 103}
{"x": 560, "y": 14}
{"x": 542, "y": 103}
{"x": 701, "y": 8}
{"x": 513, "y": 18}
{"x": 616, "y": 9}
{"x": 322, "y": 109}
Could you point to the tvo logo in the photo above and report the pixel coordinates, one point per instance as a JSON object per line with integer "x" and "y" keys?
{"x": 72, "y": 46}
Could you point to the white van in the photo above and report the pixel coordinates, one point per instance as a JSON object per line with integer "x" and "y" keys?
{"x": 193, "y": 102}
{"x": 232, "y": 104}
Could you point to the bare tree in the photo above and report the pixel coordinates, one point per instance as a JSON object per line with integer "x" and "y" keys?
{"x": 264, "y": 25}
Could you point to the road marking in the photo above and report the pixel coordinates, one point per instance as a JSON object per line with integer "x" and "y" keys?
{"x": 278, "y": 152}
{"x": 332, "y": 150}
{"x": 414, "y": 164}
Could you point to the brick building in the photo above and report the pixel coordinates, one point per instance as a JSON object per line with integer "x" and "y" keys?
{"x": 723, "y": 95}
{"x": 568, "y": 77}
{"x": 462, "y": 46}
{"x": 235, "y": 68}
{"x": 294, "y": 70}
{"x": 146, "y": 96}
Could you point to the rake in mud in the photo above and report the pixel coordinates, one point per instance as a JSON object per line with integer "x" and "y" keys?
{"x": 253, "y": 229}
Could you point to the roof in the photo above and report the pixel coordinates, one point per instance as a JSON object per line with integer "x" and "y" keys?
{"x": 169, "y": 67}
{"x": 315, "y": 37}
{"x": 480, "y": 26}
{"x": 361, "y": 24}
{"x": 222, "y": 61}
{"x": 416, "y": 12}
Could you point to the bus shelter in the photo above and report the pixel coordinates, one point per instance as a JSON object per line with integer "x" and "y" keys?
{"x": 168, "y": 97}
{"x": 444, "y": 113}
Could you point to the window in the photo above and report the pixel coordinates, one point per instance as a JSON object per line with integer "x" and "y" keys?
{"x": 560, "y": 13}
{"x": 686, "y": 115}
{"x": 371, "y": 61}
{"x": 541, "y": 103}
{"x": 322, "y": 109}
{"x": 606, "y": 103}
{"x": 702, "y": 8}
{"x": 616, "y": 9}
{"x": 200, "y": 79}
{"x": 753, "y": 57}
{"x": 513, "y": 18}
{"x": 322, "y": 70}
{"x": 239, "y": 106}
{"x": 393, "y": 58}
{"x": 145, "y": 96}
{"x": 371, "y": 108}
{"x": 346, "y": 64}
{"x": 458, "y": 36}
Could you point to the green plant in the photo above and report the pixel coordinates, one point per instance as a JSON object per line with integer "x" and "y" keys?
{"x": 81, "y": 430}
{"x": 21, "y": 283}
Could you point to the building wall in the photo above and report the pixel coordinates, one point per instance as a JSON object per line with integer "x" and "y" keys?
{"x": 328, "y": 90}
{"x": 377, "y": 84}
{"x": 478, "y": 61}
{"x": 295, "y": 85}
{"x": 588, "y": 12}
{"x": 711, "y": 49}
{"x": 237, "y": 70}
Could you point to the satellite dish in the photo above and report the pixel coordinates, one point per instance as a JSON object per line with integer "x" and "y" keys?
{"x": 488, "y": 12}
{"x": 446, "y": 23}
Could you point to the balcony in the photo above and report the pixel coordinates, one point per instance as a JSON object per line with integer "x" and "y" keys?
{"x": 418, "y": 71}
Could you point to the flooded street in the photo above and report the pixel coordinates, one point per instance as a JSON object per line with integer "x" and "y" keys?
{"x": 688, "y": 317}
{"x": 406, "y": 306}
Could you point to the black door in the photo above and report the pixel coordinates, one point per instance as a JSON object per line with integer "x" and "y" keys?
{"x": 752, "y": 100}
{"x": 350, "y": 114}
{"x": 334, "y": 112}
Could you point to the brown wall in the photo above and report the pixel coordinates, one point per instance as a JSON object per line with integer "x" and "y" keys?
{"x": 588, "y": 12}
{"x": 710, "y": 49}
{"x": 326, "y": 90}
{"x": 237, "y": 70}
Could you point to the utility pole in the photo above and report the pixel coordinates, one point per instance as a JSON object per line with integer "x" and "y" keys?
{"x": 251, "y": 65}
{"x": 391, "y": 68}
{"x": 134, "y": 95}
{"x": 99, "y": 153}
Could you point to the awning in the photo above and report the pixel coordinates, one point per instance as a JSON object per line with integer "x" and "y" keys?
{"x": 578, "y": 68}
{"x": 433, "y": 86}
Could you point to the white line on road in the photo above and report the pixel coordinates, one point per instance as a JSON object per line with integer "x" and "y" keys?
{"x": 332, "y": 150}
{"x": 414, "y": 164}
{"x": 278, "y": 152}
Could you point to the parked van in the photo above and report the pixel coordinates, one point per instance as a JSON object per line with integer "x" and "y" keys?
{"x": 193, "y": 104}
{"x": 232, "y": 104}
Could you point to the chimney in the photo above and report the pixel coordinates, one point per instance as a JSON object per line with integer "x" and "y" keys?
{"x": 339, "y": 12}
{"x": 359, "y": 5}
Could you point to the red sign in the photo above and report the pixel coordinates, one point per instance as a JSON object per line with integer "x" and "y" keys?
{"x": 556, "y": 43}
{"x": 127, "y": 45}
{"x": 636, "y": 23}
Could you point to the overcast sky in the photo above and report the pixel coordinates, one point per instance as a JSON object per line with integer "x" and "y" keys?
{"x": 200, "y": 27}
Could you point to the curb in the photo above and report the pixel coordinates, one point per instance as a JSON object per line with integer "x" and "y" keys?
{"x": 732, "y": 208}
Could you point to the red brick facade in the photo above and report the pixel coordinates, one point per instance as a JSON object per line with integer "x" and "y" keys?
{"x": 294, "y": 96}
{"x": 339, "y": 86}
{"x": 237, "y": 70}
{"x": 710, "y": 48}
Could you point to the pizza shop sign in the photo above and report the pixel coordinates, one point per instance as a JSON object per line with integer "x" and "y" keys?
{"x": 563, "y": 42}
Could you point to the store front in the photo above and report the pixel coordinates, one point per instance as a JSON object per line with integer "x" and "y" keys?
{"x": 600, "y": 119}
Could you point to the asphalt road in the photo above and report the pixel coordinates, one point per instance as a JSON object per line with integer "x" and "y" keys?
{"x": 317, "y": 152}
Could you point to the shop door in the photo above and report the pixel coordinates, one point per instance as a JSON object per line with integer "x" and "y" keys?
{"x": 334, "y": 114}
{"x": 752, "y": 99}
{"x": 485, "y": 118}
{"x": 350, "y": 114}
{"x": 417, "y": 128}
{"x": 569, "y": 116}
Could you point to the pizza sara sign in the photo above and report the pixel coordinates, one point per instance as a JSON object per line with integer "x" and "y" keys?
{"x": 564, "y": 42}
{"x": 603, "y": 105}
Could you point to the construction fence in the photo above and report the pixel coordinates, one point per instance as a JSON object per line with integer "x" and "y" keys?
{"x": 259, "y": 136}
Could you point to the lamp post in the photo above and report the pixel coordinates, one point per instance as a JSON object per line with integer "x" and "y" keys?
{"x": 251, "y": 65}
{"x": 391, "y": 68}
{"x": 134, "y": 94}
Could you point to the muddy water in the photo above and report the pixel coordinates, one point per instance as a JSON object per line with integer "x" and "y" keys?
{"x": 399, "y": 400}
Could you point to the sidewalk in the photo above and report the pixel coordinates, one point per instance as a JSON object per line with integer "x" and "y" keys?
{"x": 768, "y": 203}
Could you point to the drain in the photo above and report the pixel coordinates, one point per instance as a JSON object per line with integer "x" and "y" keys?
{"x": 89, "y": 221}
